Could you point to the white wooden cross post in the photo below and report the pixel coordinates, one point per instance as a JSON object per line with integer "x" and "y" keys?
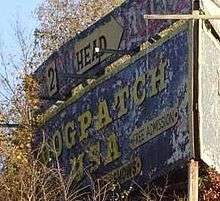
{"x": 196, "y": 15}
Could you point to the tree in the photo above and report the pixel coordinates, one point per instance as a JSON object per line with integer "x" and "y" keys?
{"x": 59, "y": 21}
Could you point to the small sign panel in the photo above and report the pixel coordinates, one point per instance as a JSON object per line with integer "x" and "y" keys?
{"x": 123, "y": 29}
{"x": 107, "y": 36}
{"x": 132, "y": 125}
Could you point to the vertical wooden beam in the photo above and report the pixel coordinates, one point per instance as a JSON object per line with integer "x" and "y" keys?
{"x": 195, "y": 83}
{"x": 193, "y": 167}
{"x": 193, "y": 180}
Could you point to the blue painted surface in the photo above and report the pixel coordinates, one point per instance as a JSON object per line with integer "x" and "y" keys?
{"x": 136, "y": 30}
{"x": 158, "y": 154}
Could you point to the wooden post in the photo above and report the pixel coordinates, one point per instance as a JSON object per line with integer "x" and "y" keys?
{"x": 193, "y": 177}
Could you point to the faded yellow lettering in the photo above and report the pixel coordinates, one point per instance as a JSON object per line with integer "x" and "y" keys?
{"x": 94, "y": 156}
{"x": 158, "y": 78}
{"x": 137, "y": 95}
{"x": 45, "y": 155}
{"x": 103, "y": 115}
{"x": 85, "y": 121}
{"x": 57, "y": 144}
{"x": 120, "y": 98}
{"x": 113, "y": 150}
{"x": 69, "y": 135}
{"x": 77, "y": 168}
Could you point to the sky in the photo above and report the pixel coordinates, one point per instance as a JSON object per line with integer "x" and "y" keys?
{"x": 10, "y": 11}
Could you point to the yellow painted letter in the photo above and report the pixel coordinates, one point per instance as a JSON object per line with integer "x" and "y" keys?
{"x": 120, "y": 98}
{"x": 158, "y": 78}
{"x": 57, "y": 144}
{"x": 94, "y": 156}
{"x": 139, "y": 97}
{"x": 45, "y": 154}
{"x": 103, "y": 115}
{"x": 69, "y": 135}
{"x": 85, "y": 121}
{"x": 77, "y": 168}
{"x": 113, "y": 150}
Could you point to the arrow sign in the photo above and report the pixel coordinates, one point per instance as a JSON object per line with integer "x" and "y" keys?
{"x": 107, "y": 36}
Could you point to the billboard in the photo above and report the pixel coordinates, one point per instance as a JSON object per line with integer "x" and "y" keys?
{"x": 209, "y": 102}
{"x": 133, "y": 124}
{"x": 124, "y": 28}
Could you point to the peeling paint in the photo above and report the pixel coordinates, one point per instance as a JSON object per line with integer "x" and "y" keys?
{"x": 169, "y": 143}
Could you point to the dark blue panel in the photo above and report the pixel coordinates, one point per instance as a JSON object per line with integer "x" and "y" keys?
{"x": 150, "y": 132}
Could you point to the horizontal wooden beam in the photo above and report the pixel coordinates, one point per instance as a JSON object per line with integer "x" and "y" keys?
{"x": 195, "y": 16}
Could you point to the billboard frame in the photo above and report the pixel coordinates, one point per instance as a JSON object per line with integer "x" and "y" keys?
{"x": 166, "y": 35}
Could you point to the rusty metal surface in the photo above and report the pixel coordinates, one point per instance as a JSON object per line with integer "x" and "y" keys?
{"x": 209, "y": 98}
{"x": 133, "y": 126}
{"x": 62, "y": 74}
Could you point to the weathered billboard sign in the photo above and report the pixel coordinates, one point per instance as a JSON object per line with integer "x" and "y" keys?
{"x": 134, "y": 124}
{"x": 123, "y": 29}
{"x": 209, "y": 94}
{"x": 212, "y": 7}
